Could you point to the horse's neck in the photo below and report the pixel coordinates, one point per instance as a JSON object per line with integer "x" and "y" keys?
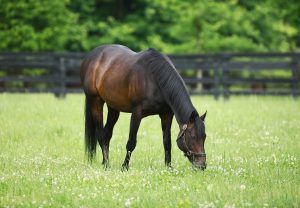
{"x": 170, "y": 84}
{"x": 179, "y": 101}
{"x": 176, "y": 96}
{"x": 182, "y": 111}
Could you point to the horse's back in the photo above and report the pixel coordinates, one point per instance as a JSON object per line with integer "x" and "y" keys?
{"x": 109, "y": 71}
{"x": 98, "y": 62}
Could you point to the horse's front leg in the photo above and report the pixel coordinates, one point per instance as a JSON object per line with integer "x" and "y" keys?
{"x": 166, "y": 123}
{"x": 135, "y": 121}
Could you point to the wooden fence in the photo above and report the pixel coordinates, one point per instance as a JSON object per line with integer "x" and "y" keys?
{"x": 215, "y": 74}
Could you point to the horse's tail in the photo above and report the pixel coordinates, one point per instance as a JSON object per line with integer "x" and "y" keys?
{"x": 90, "y": 131}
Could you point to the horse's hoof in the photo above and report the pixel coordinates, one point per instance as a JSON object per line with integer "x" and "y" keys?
{"x": 124, "y": 168}
{"x": 106, "y": 166}
{"x": 169, "y": 167}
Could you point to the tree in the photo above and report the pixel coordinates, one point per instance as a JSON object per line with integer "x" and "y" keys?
{"x": 31, "y": 25}
{"x": 232, "y": 26}
{"x": 172, "y": 26}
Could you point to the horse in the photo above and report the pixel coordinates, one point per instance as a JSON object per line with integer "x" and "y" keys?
{"x": 141, "y": 83}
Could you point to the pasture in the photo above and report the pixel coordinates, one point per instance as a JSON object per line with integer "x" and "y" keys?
{"x": 252, "y": 146}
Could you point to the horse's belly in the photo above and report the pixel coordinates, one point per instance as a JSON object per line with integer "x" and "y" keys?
{"x": 117, "y": 100}
{"x": 115, "y": 95}
{"x": 126, "y": 97}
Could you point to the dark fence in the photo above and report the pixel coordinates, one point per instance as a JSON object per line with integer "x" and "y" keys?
{"x": 215, "y": 74}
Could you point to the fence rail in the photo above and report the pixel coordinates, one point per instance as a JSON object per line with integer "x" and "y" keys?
{"x": 216, "y": 74}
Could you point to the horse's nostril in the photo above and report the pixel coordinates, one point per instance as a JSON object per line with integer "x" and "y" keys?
{"x": 203, "y": 167}
{"x": 200, "y": 166}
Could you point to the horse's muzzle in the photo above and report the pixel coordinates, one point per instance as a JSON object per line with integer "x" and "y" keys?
{"x": 200, "y": 164}
{"x": 201, "y": 167}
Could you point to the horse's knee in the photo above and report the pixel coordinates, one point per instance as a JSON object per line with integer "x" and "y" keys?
{"x": 107, "y": 135}
{"x": 131, "y": 144}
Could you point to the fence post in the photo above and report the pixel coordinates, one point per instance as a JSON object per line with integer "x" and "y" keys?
{"x": 225, "y": 76}
{"x": 62, "y": 79}
{"x": 295, "y": 78}
{"x": 216, "y": 78}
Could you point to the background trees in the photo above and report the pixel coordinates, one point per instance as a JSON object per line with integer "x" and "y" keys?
{"x": 172, "y": 26}
{"x": 33, "y": 25}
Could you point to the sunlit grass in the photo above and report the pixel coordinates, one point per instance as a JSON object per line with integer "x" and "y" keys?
{"x": 252, "y": 146}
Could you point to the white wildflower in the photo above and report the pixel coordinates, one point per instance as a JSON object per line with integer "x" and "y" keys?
{"x": 242, "y": 187}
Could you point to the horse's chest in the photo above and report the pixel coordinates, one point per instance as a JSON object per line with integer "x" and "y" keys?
{"x": 155, "y": 103}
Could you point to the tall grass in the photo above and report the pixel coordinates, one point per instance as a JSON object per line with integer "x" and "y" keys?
{"x": 253, "y": 153}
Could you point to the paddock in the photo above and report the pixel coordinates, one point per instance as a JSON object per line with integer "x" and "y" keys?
{"x": 252, "y": 151}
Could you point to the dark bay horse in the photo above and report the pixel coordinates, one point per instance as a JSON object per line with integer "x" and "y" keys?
{"x": 143, "y": 84}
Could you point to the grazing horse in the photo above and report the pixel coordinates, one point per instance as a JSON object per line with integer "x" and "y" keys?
{"x": 143, "y": 84}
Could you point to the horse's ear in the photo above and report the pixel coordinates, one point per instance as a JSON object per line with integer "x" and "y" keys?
{"x": 193, "y": 115}
{"x": 203, "y": 116}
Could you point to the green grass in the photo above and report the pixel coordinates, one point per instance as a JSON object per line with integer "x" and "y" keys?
{"x": 253, "y": 150}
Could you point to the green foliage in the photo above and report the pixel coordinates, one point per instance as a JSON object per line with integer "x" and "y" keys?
{"x": 252, "y": 151}
{"x": 38, "y": 26}
{"x": 172, "y": 26}
{"x": 211, "y": 26}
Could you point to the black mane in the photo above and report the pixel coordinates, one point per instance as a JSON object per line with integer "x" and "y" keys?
{"x": 170, "y": 83}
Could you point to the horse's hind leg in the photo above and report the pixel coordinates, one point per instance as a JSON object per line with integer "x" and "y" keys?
{"x": 93, "y": 123}
{"x": 112, "y": 118}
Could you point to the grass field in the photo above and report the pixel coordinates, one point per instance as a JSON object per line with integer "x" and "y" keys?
{"x": 253, "y": 153}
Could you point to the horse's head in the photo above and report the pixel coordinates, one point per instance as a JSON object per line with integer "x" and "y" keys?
{"x": 191, "y": 140}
